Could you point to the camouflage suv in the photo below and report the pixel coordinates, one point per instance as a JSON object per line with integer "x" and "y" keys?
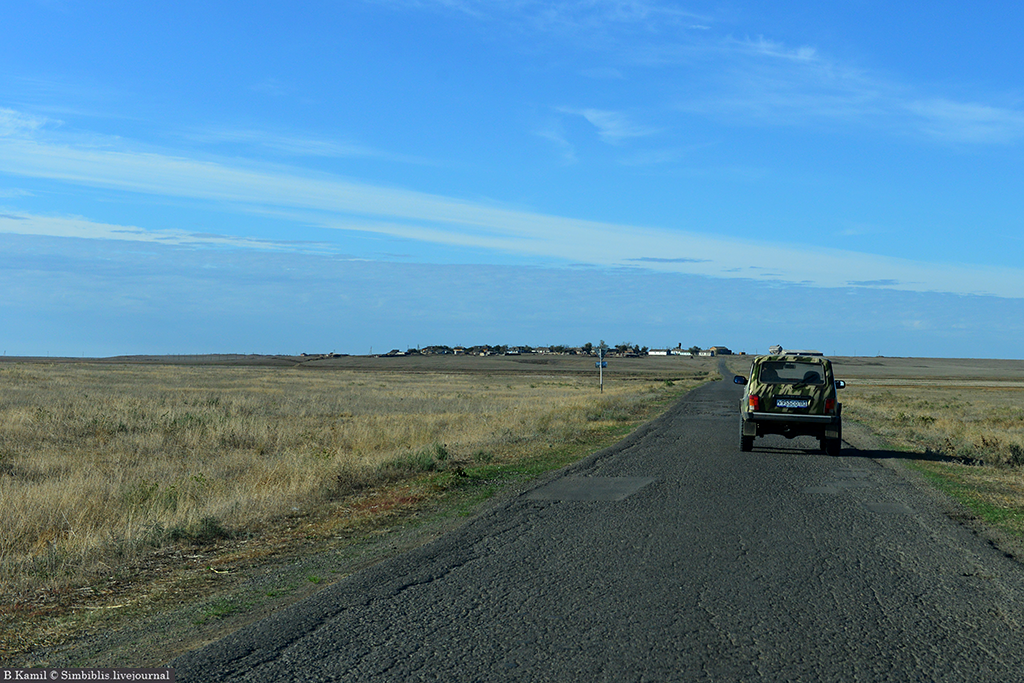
{"x": 791, "y": 395}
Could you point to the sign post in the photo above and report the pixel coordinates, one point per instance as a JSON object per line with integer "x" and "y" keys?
{"x": 601, "y": 365}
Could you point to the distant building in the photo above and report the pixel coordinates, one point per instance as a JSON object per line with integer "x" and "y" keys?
{"x": 436, "y": 350}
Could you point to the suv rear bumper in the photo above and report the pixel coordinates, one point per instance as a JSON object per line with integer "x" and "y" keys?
{"x": 790, "y": 417}
{"x": 757, "y": 423}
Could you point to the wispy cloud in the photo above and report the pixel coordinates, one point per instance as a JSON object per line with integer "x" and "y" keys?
{"x": 334, "y": 203}
{"x": 769, "y": 48}
{"x": 856, "y": 229}
{"x": 748, "y": 80}
{"x": 82, "y": 228}
{"x": 270, "y": 86}
{"x": 655, "y": 259}
{"x": 968, "y": 121}
{"x": 763, "y": 81}
{"x": 295, "y": 145}
{"x": 17, "y": 123}
{"x": 889, "y": 283}
{"x": 566, "y": 149}
{"x": 612, "y": 126}
{"x": 572, "y": 16}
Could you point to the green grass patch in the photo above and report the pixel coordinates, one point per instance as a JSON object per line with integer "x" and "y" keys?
{"x": 218, "y": 609}
{"x": 994, "y": 495}
{"x": 280, "y": 591}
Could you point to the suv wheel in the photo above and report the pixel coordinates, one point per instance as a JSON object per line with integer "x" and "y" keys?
{"x": 832, "y": 446}
{"x": 746, "y": 443}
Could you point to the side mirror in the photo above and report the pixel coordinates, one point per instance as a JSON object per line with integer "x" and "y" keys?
{"x": 840, "y": 384}
{"x": 739, "y": 380}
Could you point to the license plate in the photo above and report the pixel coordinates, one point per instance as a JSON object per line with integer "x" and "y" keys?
{"x": 792, "y": 402}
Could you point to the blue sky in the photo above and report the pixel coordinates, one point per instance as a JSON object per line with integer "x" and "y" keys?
{"x": 375, "y": 174}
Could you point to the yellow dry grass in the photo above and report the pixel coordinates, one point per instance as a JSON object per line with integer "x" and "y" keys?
{"x": 974, "y": 424}
{"x": 101, "y": 463}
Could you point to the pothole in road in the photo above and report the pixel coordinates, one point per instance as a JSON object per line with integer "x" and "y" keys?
{"x": 888, "y": 508}
{"x": 590, "y": 488}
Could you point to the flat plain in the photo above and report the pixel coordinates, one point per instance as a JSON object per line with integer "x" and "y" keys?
{"x": 674, "y": 556}
{"x": 130, "y": 485}
{"x": 152, "y": 504}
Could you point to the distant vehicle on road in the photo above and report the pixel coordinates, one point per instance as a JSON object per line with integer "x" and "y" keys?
{"x": 793, "y": 395}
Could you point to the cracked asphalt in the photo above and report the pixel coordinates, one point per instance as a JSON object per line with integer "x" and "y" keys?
{"x": 669, "y": 557}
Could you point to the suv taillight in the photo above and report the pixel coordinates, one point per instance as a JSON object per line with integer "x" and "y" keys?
{"x": 830, "y": 405}
{"x": 754, "y": 402}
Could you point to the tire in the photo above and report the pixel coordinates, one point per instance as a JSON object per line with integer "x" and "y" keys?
{"x": 746, "y": 443}
{"x": 833, "y": 446}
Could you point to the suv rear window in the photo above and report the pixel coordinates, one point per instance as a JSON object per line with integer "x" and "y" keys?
{"x": 790, "y": 372}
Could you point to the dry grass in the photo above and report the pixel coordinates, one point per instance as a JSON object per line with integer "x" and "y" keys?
{"x": 980, "y": 425}
{"x": 99, "y": 464}
{"x": 965, "y": 437}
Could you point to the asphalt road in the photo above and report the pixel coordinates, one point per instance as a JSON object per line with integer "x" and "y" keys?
{"x": 670, "y": 557}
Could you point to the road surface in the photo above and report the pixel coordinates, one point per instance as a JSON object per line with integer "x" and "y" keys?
{"x": 670, "y": 557}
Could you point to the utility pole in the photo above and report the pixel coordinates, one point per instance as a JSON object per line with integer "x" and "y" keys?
{"x": 601, "y": 362}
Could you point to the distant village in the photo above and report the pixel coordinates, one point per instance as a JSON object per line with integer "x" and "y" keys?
{"x": 625, "y": 350}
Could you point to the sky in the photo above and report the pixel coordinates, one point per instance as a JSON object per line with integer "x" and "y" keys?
{"x": 358, "y": 176}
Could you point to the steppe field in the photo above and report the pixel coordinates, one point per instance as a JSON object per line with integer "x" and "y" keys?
{"x": 149, "y": 504}
{"x": 130, "y": 483}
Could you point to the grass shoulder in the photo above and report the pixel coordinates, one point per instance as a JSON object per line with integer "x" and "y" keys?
{"x": 965, "y": 439}
{"x": 994, "y": 495}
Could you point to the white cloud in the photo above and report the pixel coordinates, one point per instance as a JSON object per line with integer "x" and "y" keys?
{"x": 568, "y": 152}
{"x": 770, "y": 48}
{"x": 295, "y": 145}
{"x": 612, "y": 126}
{"x": 750, "y": 80}
{"x": 760, "y": 81}
{"x": 82, "y": 228}
{"x": 333, "y": 202}
{"x": 573, "y": 16}
{"x": 968, "y": 121}
{"x": 16, "y": 123}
